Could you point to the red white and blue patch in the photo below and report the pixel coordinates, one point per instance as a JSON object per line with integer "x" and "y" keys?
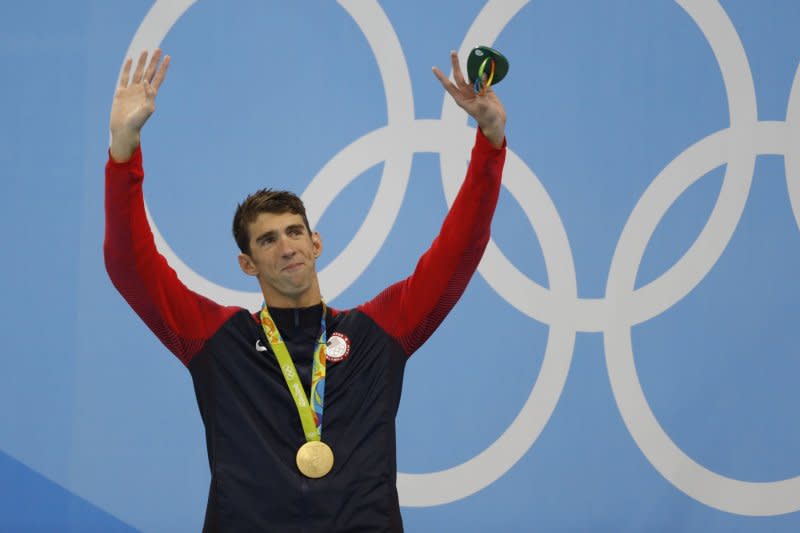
{"x": 338, "y": 347}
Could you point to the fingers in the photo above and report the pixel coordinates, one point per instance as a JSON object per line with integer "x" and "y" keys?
{"x": 154, "y": 75}
{"x": 457, "y": 74}
{"x": 446, "y": 83}
{"x": 137, "y": 74}
{"x": 441, "y": 77}
{"x": 126, "y": 74}
{"x": 151, "y": 67}
{"x": 161, "y": 74}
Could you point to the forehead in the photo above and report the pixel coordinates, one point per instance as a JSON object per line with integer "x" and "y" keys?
{"x": 277, "y": 222}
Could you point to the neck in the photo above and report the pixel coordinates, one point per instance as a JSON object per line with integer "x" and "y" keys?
{"x": 310, "y": 297}
{"x": 291, "y": 304}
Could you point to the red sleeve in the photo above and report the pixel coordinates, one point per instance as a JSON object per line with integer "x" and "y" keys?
{"x": 182, "y": 319}
{"x": 412, "y": 309}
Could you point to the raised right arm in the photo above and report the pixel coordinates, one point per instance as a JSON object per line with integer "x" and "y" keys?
{"x": 182, "y": 319}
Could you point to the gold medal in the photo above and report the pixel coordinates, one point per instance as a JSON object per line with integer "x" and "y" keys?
{"x": 314, "y": 459}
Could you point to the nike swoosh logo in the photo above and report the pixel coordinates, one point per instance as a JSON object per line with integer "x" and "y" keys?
{"x": 260, "y": 347}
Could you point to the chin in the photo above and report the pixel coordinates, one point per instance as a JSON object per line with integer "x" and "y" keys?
{"x": 296, "y": 292}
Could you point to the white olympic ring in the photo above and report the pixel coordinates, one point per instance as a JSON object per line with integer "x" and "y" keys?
{"x": 559, "y": 305}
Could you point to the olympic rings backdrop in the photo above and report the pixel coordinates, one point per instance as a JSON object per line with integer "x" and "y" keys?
{"x": 626, "y": 358}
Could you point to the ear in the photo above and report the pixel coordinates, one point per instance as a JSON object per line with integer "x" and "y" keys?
{"x": 247, "y": 265}
{"x": 316, "y": 240}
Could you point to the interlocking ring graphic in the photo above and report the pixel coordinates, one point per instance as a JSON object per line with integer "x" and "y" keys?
{"x": 559, "y": 306}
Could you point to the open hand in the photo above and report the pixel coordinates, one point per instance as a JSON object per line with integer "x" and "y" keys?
{"x": 134, "y": 102}
{"x": 485, "y": 108}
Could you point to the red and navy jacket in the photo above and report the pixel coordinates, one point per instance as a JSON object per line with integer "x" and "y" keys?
{"x": 251, "y": 424}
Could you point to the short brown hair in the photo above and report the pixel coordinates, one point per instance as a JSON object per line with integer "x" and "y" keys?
{"x": 264, "y": 201}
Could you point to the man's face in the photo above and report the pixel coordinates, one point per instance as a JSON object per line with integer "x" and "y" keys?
{"x": 283, "y": 256}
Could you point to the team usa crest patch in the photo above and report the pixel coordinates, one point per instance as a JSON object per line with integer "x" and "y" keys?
{"x": 338, "y": 347}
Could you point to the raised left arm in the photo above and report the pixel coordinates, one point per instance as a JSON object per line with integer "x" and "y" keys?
{"x": 412, "y": 309}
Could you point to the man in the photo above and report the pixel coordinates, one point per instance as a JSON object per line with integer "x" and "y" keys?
{"x": 278, "y": 464}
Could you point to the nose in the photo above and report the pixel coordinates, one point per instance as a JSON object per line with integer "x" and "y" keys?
{"x": 285, "y": 247}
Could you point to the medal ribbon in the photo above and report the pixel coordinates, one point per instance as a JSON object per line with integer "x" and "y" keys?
{"x": 310, "y": 414}
{"x": 482, "y": 84}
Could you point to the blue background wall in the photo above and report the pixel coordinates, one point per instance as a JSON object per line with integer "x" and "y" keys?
{"x": 626, "y": 359}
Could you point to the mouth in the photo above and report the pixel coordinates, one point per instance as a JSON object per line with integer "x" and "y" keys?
{"x": 293, "y": 267}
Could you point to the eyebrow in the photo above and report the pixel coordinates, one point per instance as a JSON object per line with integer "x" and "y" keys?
{"x": 272, "y": 233}
{"x": 293, "y": 227}
{"x": 264, "y": 236}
